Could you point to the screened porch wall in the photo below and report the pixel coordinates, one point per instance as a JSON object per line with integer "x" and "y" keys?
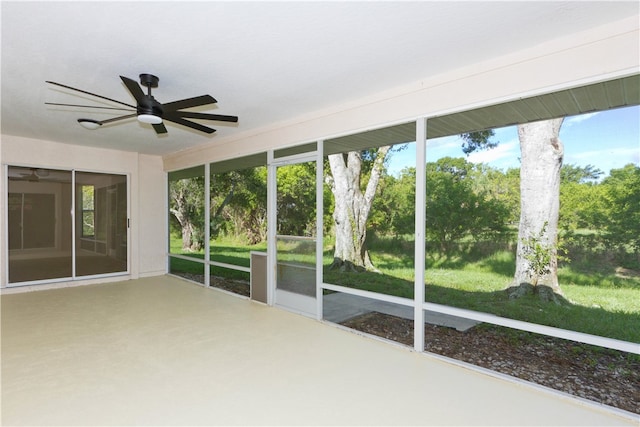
{"x": 557, "y": 66}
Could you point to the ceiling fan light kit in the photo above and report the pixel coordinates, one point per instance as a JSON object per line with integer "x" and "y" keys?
{"x": 148, "y": 110}
{"x": 150, "y": 119}
{"x": 89, "y": 124}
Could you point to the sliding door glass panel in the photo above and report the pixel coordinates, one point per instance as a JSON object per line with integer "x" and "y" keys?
{"x": 39, "y": 224}
{"x": 101, "y": 223}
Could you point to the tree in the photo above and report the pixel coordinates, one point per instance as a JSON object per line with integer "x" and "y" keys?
{"x": 296, "y": 199}
{"x": 239, "y": 204}
{"x": 354, "y": 198}
{"x": 454, "y": 208}
{"x": 540, "y": 165}
{"x": 581, "y": 199}
{"x": 541, "y": 161}
{"x": 622, "y": 194}
{"x": 579, "y": 175}
{"x": 186, "y": 204}
{"x": 582, "y": 206}
{"x": 393, "y": 211}
{"x": 353, "y": 201}
{"x": 503, "y": 187}
{"x": 479, "y": 140}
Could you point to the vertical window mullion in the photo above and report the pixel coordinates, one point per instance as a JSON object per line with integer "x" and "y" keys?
{"x": 73, "y": 224}
{"x": 207, "y": 224}
{"x": 420, "y": 230}
{"x": 271, "y": 228}
{"x": 319, "y": 226}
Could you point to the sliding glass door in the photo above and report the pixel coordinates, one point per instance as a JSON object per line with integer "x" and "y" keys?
{"x": 57, "y": 233}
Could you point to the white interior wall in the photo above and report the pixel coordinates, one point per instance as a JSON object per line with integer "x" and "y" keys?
{"x": 147, "y": 195}
{"x": 152, "y": 207}
{"x": 599, "y": 54}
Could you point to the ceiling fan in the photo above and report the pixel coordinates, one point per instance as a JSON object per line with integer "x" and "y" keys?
{"x": 33, "y": 176}
{"x": 150, "y": 111}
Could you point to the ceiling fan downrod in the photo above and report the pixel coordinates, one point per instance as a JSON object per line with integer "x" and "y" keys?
{"x": 149, "y": 80}
{"x": 149, "y": 110}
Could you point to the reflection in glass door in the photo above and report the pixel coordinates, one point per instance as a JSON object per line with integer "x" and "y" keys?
{"x": 296, "y": 237}
{"x": 39, "y": 219}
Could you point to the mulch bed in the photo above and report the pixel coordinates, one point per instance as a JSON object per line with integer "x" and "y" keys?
{"x": 239, "y": 287}
{"x": 605, "y": 376}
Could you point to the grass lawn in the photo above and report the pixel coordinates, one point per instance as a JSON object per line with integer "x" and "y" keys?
{"x": 595, "y": 302}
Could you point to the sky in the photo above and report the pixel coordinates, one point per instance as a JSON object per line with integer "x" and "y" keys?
{"x": 606, "y": 139}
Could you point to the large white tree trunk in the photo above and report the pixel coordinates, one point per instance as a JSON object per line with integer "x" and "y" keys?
{"x": 541, "y": 160}
{"x": 352, "y": 207}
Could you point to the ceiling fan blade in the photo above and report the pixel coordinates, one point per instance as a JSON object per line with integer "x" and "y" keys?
{"x": 89, "y": 93}
{"x": 159, "y": 128}
{"x": 134, "y": 88}
{"x": 189, "y": 102}
{"x": 115, "y": 119}
{"x": 188, "y": 123}
{"x": 206, "y": 116}
{"x": 88, "y": 106}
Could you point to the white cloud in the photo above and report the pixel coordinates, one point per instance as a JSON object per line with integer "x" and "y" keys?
{"x": 605, "y": 159}
{"x": 504, "y": 150}
{"x": 445, "y": 143}
{"x": 577, "y": 119}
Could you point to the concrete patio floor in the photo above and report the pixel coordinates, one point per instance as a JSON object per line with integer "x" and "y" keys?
{"x": 161, "y": 351}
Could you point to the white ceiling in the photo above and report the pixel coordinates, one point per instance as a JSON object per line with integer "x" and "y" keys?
{"x": 265, "y": 62}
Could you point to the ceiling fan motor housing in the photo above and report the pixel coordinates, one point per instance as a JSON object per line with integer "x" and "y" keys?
{"x": 149, "y": 105}
{"x": 149, "y": 80}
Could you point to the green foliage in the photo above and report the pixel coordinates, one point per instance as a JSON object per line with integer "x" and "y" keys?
{"x": 538, "y": 254}
{"x": 480, "y": 140}
{"x": 611, "y": 208}
{"x": 186, "y": 204}
{"x": 579, "y": 175}
{"x": 394, "y": 205}
{"x": 455, "y": 209}
{"x": 582, "y": 206}
{"x": 239, "y": 204}
{"x": 503, "y": 187}
{"x": 623, "y": 200}
{"x": 297, "y": 199}
{"x": 88, "y": 210}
